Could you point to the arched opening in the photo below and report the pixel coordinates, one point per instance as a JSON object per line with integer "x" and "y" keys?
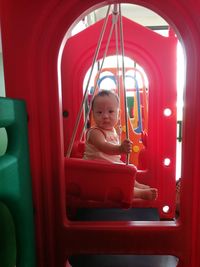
{"x": 160, "y": 68}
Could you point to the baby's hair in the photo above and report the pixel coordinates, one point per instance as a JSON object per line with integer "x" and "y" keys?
{"x": 104, "y": 93}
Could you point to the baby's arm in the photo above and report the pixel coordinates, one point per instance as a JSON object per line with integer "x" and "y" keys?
{"x": 97, "y": 139}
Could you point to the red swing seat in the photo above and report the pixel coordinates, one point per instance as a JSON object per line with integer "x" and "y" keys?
{"x": 98, "y": 184}
{"x": 92, "y": 183}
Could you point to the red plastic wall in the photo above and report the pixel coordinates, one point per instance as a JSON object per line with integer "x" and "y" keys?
{"x": 32, "y": 32}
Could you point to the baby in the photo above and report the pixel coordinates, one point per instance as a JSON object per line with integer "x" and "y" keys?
{"x": 102, "y": 141}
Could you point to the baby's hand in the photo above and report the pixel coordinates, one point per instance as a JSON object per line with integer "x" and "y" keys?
{"x": 126, "y": 146}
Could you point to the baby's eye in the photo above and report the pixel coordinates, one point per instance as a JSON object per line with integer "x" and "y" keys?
{"x": 111, "y": 111}
{"x": 99, "y": 112}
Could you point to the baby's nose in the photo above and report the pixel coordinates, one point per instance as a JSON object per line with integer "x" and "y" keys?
{"x": 105, "y": 115}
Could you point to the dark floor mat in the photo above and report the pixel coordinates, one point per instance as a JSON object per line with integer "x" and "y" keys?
{"x": 133, "y": 214}
{"x": 124, "y": 261}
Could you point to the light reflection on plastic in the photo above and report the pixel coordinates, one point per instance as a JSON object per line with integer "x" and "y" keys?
{"x": 165, "y": 209}
{"x": 167, "y": 112}
{"x": 167, "y": 162}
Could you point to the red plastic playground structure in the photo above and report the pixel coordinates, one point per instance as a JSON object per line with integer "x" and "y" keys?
{"x": 48, "y": 79}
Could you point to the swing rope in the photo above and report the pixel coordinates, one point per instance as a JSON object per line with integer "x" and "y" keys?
{"x": 116, "y": 11}
{"x": 123, "y": 79}
{"x": 114, "y": 25}
{"x": 87, "y": 86}
{"x": 114, "y": 21}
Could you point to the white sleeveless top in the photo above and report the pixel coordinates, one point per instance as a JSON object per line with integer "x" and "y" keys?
{"x": 92, "y": 153}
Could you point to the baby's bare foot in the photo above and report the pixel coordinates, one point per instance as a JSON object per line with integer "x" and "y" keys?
{"x": 150, "y": 194}
{"x": 141, "y": 186}
{"x": 146, "y": 194}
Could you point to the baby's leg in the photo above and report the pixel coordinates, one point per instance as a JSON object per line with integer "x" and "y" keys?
{"x": 141, "y": 186}
{"x": 146, "y": 194}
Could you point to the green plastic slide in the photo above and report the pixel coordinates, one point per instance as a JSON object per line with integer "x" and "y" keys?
{"x": 17, "y": 245}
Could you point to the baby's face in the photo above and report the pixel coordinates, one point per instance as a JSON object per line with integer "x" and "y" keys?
{"x": 106, "y": 111}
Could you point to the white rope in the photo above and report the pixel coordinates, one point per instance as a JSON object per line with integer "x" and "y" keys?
{"x": 87, "y": 86}
{"x": 123, "y": 76}
{"x": 117, "y": 57}
{"x": 114, "y": 21}
{"x": 114, "y": 24}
